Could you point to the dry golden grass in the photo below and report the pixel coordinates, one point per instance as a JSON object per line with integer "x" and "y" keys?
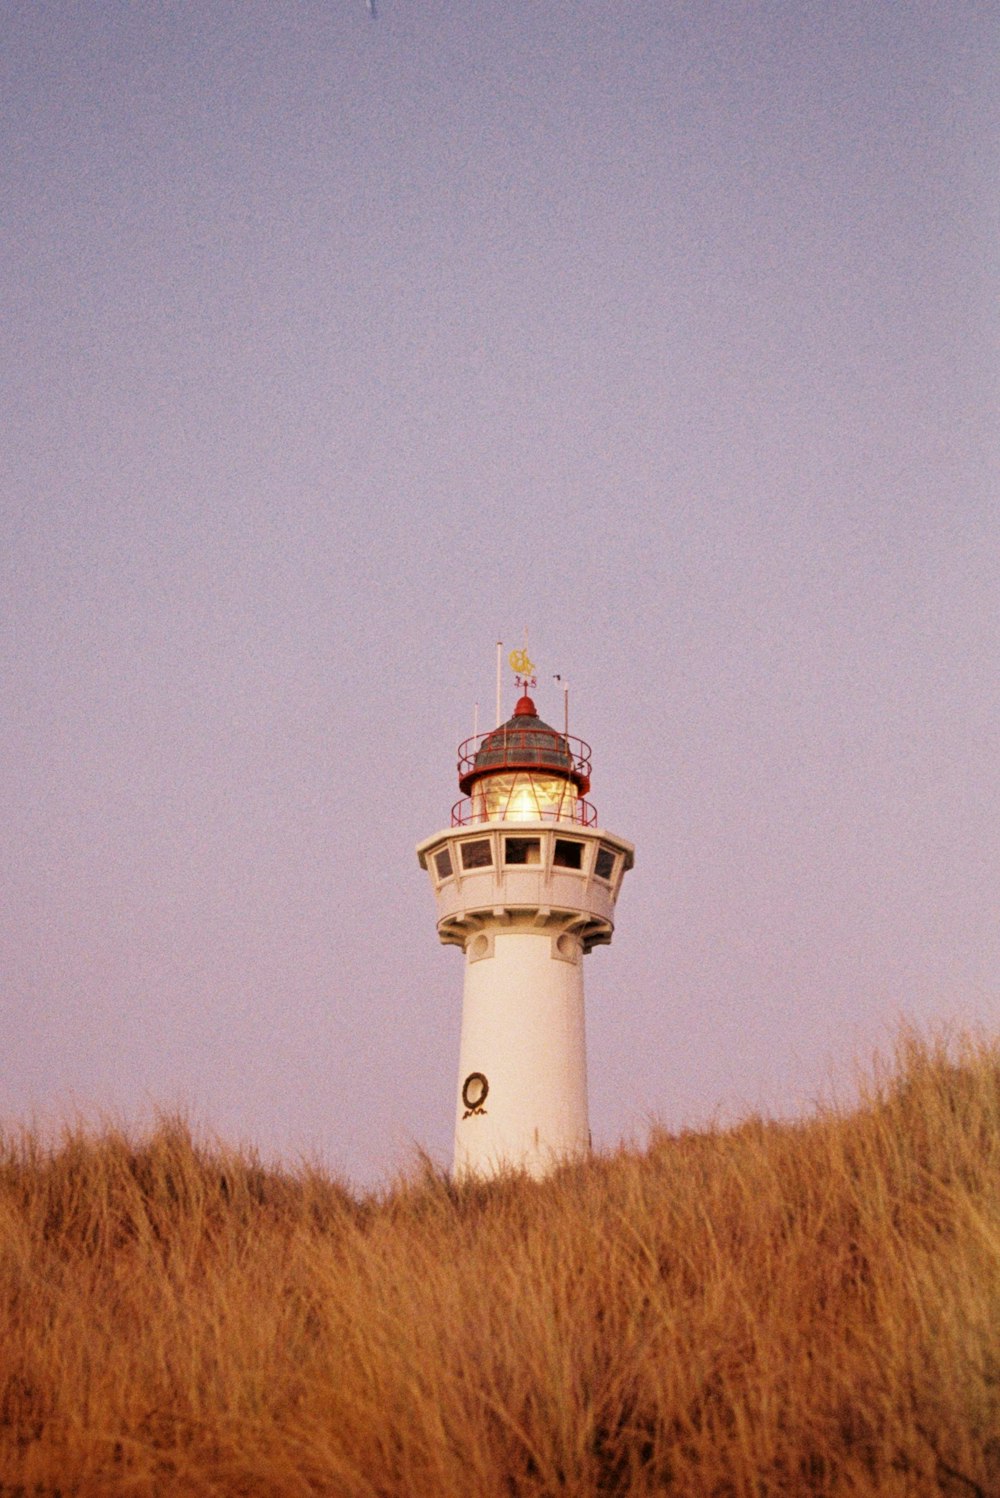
{"x": 766, "y": 1310}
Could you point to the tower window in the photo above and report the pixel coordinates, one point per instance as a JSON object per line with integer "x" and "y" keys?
{"x": 477, "y": 854}
{"x": 567, "y": 855}
{"x": 604, "y": 866}
{"x": 442, "y": 862}
{"x": 522, "y": 850}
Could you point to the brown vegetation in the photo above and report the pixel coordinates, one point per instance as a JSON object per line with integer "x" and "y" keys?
{"x": 772, "y": 1309}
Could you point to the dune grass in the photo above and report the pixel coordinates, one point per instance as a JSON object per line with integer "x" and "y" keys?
{"x": 770, "y": 1309}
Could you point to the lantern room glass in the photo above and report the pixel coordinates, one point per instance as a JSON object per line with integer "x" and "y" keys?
{"x": 525, "y": 796}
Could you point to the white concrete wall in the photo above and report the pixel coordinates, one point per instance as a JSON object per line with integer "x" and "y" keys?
{"x": 523, "y": 1029}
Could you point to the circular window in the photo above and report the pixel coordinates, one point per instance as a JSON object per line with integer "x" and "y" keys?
{"x": 474, "y": 1090}
{"x": 480, "y": 945}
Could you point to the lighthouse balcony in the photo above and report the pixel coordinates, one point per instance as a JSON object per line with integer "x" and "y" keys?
{"x": 528, "y": 807}
{"x": 500, "y": 872}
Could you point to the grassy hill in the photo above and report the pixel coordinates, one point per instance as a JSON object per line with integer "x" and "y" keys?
{"x": 808, "y": 1308}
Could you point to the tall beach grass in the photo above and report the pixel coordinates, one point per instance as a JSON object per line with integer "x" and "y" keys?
{"x": 768, "y": 1309}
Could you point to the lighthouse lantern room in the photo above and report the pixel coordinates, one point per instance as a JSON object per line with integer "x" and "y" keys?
{"x": 525, "y": 883}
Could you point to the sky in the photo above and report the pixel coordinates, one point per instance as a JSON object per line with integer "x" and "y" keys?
{"x": 336, "y": 348}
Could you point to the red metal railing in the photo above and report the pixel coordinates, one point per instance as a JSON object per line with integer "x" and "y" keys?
{"x": 470, "y": 812}
{"x": 541, "y": 748}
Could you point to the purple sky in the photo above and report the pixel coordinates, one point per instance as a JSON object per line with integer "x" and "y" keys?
{"x": 335, "y": 349}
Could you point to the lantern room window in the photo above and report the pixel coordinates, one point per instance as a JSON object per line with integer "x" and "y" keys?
{"x": 442, "y": 863}
{"x": 567, "y": 855}
{"x": 604, "y": 866}
{"x": 522, "y": 850}
{"x": 526, "y": 796}
{"x": 477, "y": 854}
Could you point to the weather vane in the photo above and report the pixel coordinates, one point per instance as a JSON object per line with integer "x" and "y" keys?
{"x": 523, "y": 668}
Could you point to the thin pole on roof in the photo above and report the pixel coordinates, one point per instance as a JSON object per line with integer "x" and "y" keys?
{"x": 499, "y": 671}
{"x": 565, "y": 689}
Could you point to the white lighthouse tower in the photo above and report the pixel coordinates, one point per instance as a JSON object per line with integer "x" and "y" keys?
{"x": 526, "y": 884}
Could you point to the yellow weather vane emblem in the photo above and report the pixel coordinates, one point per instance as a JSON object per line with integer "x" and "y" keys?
{"x": 520, "y": 663}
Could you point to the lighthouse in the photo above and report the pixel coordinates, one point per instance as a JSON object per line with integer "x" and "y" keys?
{"x": 525, "y": 883}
